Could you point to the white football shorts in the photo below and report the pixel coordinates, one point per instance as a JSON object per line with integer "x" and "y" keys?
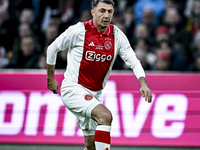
{"x": 81, "y": 101}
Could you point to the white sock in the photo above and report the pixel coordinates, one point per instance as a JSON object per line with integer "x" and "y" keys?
{"x": 102, "y": 137}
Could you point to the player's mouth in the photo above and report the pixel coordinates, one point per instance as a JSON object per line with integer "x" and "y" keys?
{"x": 105, "y": 22}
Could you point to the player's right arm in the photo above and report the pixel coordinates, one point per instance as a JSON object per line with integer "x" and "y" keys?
{"x": 52, "y": 84}
{"x": 61, "y": 43}
{"x": 52, "y": 50}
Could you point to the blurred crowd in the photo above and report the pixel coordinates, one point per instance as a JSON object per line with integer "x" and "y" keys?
{"x": 165, "y": 34}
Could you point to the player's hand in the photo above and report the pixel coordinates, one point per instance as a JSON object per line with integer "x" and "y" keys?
{"x": 146, "y": 92}
{"x": 52, "y": 85}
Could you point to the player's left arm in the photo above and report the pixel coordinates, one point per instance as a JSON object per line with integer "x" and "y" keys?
{"x": 138, "y": 70}
{"x": 140, "y": 74}
{"x": 128, "y": 55}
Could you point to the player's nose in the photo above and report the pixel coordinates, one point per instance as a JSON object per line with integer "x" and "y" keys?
{"x": 106, "y": 14}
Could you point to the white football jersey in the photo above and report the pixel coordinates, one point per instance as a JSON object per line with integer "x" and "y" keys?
{"x": 91, "y": 54}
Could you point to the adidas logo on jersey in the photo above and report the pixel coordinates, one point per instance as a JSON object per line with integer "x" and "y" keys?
{"x": 91, "y": 44}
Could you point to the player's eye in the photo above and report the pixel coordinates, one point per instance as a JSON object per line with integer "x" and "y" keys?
{"x": 109, "y": 11}
{"x": 102, "y": 10}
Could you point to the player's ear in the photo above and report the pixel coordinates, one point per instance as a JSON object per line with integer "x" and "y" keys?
{"x": 92, "y": 12}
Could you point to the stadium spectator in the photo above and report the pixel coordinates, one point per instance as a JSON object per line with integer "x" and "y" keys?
{"x": 141, "y": 55}
{"x": 129, "y": 22}
{"x": 85, "y": 15}
{"x": 194, "y": 47}
{"x": 141, "y": 48}
{"x": 171, "y": 4}
{"x": 15, "y": 8}
{"x": 122, "y": 5}
{"x": 56, "y": 19}
{"x": 41, "y": 64}
{"x": 195, "y": 66}
{"x": 177, "y": 30}
{"x": 50, "y": 35}
{"x": 196, "y": 43}
{"x": 188, "y": 8}
{"x": 26, "y": 56}
{"x": 156, "y": 5}
{"x": 117, "y": 17}
{"x": 162, "y": 34}
{"x": 149, "y": 19}
{"x": 27, "y": 16}
{"x": 66, "y": 10}
{"x": 175, "y": 4}
{"x": 4, "y": 4}
{"x": 141, "y": 31}
{"x": 7, "y": 30}
{"x": 78, "y": 7}
{"x": 24, "y": 29}
{"x": 3, "y": 57}
{"x": 176, "y": 59}
{"x": 38, "y": 8}
{"x": 193, "y": 17}
{"x": 163, "y": 62}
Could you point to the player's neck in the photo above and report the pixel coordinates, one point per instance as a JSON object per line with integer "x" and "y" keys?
{"x": 100, "y": 28}
{"x": 103, "y": 29}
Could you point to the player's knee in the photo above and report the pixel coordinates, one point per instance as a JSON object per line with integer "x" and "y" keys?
{"x": 105, "y": 118}
{"x": 102, "y": 115}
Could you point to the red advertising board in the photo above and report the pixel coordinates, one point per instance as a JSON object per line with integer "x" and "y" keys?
{"x": 30, "y": 113}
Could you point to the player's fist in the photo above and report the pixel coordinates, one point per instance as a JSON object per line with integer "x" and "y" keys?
{"x": 52, "y": 85}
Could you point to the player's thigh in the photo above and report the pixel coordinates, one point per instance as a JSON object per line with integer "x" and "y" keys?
{"x": 78, "y": 100}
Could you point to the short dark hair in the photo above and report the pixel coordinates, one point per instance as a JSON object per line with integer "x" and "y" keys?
{"x": 96, "y": 2}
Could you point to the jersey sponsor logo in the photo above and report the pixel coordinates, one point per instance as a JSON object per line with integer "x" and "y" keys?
{"x": 88, "y": 97}
{"x": 108, "y": 45}
{"x": 92, "y": 56}
{"x": 91, "y": 44}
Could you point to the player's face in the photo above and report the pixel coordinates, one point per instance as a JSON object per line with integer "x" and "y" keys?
{"x": 102, "y": 15}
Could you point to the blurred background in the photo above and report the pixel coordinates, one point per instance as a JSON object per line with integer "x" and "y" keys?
{"x": 165, "y": 35}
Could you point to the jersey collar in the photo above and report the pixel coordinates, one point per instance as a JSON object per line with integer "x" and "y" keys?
{"x": 105, "y": 33}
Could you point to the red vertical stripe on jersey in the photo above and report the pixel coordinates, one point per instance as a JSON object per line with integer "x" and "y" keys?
{"x": 98, "y": 53}
{"x": 102, "y": 136}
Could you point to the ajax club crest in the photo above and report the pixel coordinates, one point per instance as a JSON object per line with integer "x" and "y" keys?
{"x": 108, "y": 45}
